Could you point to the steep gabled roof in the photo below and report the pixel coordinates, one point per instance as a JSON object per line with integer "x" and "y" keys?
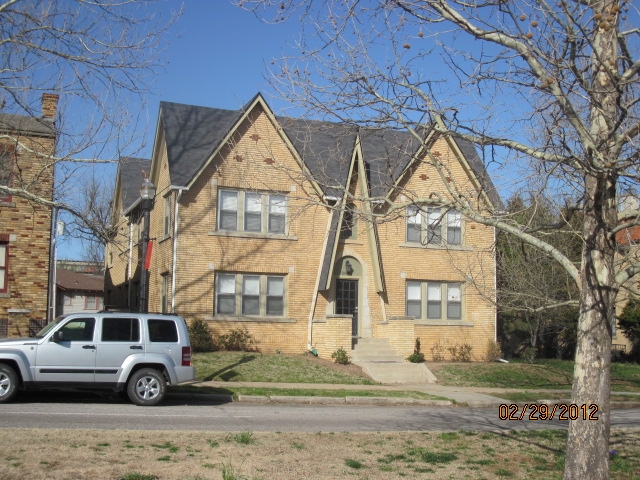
{"x": 470, "y": 153}
{"x": 192, "y": 133}
{"x": 386, "y": 154}
{"x": 130, "y": 178}
{"x": 325, "y": 148}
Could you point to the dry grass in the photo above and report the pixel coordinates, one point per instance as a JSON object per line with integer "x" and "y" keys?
{"x": 147, "y": 455}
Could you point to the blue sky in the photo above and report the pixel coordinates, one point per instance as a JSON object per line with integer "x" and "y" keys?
{"x": 217, "y": 56}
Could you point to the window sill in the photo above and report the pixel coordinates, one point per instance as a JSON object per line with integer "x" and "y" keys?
{"x": 352, "y": 241}
{"x": 221, "y": 318}
{"x": 436, "y": 247}
{"x": 266, "y": 236}
{"x": 5, "y": 295}
{"x": 9, "y": 203}
{"x": 445, "y": 323}
{"x": 163, "y": 239}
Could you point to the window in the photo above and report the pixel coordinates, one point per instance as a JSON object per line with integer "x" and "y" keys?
{"x": 348, "y": 227}
{"x": 79, "y": 329}
{"x": 260, "y": 212}
{"x": 162, "y": 331}
{"x": 120, "y": 330}
{"x": 4, "y": 327}
{"x": 164, "y": 294}
{"x": 250, "y": 295}
{"x": 93, "y": 302}
{"x": 4, "y": 267}
{"x": 65, "y": 299}
{"x": 434, "y": 294}
{"x": 433, "y": 225}
{"x": 167, "y": 215}
{"x": 6, "y": 160}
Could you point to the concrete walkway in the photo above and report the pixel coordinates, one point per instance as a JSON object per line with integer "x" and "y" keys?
{"x": 463, "y": 396}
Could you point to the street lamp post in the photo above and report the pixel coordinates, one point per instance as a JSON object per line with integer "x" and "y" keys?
{"x": 147, "y": 194}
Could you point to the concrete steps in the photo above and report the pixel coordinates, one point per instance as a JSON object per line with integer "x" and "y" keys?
{"x": 381, "y": 362}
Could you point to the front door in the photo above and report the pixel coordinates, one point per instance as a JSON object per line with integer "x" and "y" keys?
{"x": 347, "y": 301}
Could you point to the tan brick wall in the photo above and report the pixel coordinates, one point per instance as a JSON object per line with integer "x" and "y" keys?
{"x": 330, "y": 334}
{"x": 256, "y": 159}
{"x": 27, "y": 225}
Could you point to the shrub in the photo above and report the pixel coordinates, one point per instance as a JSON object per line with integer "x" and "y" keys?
{"x": 237, "y": 340}
{"x": 494, "y": 352}
{"x": 461, "y": 353}
{"x": 437, "y": 352}
{"x": 417, "y": 356}
{"x": 340, "y": 356}
{"x": 201, "y": 338}
{"x": 529, "y": 355}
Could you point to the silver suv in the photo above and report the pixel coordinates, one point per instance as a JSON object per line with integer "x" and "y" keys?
{"x": 138, "y": 352}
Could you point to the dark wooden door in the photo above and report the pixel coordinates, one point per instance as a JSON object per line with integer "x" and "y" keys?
{"x": 347, "y": 301}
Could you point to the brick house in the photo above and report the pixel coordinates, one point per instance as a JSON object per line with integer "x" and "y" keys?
{"x": 26, "y": 144}
{"x": 305, "y": 233}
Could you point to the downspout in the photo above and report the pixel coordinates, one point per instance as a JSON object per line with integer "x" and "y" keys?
{"x": 129, "y": 275}
{"x": 174, "y": 260}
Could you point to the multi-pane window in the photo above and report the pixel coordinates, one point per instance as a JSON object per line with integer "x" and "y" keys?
{"x": 164, "y": 293}
{"x": 249, "y": 294}
{"x": 434, "y": 300}
{"x": 252, "y": 212}
{"x": 432, "y": 225}
{"x": 4, "y": 264}
{"x": 93, "y": 302}
{"x": 167, "y": 216}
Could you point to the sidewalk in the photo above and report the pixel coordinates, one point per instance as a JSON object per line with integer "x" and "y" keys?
{"x": 462, "y": 396}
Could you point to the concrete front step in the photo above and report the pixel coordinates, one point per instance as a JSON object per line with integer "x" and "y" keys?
{"x": 381, "y": 362}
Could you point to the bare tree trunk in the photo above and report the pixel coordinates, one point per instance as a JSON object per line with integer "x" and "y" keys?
{"x": 587, "y": 455}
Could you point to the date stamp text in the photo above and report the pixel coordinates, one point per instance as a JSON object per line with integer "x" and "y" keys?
{"x": 542, "y": 411}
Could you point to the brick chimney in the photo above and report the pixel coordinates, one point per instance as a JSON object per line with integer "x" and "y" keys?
{"x": 49, "y": 105}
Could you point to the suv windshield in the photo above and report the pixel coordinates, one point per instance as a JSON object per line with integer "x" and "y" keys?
{"x": 49, "y": 327}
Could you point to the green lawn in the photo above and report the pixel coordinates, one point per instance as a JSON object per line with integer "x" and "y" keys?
{"x": 234, "y": 367}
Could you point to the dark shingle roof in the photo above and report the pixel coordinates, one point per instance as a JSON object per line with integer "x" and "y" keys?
{"x": 192, "y": 133}
{"x": 325, "y": 148}
{"x": 13, "y": 123}
{"x": 470, "y": 152}
{"x": 131, "y": 177}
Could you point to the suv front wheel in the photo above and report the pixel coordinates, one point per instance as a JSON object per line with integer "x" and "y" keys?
{"x": 146, "y": 387}
{"x": 8, "y": 383}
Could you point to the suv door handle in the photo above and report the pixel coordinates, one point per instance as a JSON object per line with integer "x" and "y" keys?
{"x": 89, "y": 347}
{"x": 136, "y": 347}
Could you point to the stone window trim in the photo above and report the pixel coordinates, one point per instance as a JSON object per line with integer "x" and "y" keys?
{"x": 250, "y": 295}
{"x": 435, "y": 301}
{"x": 252, "y": 212}
{"x": 4, "y": 265}
{"x": 433, "y": 226}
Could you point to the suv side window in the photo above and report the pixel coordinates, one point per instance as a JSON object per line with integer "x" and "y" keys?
{"x": 78, "y": 329}
{"x": 118, "y": 329}
{"x": 164, "y": 331}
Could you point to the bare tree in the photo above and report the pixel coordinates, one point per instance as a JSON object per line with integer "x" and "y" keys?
{"x": 100, "y": 57}
{"x": 548, "y": 89}
{"x": 93, "y": 200}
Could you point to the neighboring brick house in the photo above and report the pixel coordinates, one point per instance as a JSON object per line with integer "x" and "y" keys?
{"x": 78, "y": 292}
{"x": 26, "y": 146}
{"x": 628, "y": 250}
{"x": 252, "y": 229}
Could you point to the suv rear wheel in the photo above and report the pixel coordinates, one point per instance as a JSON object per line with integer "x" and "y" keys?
{"x": 146, "y": 387}
{"x": 8, "y": 383}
